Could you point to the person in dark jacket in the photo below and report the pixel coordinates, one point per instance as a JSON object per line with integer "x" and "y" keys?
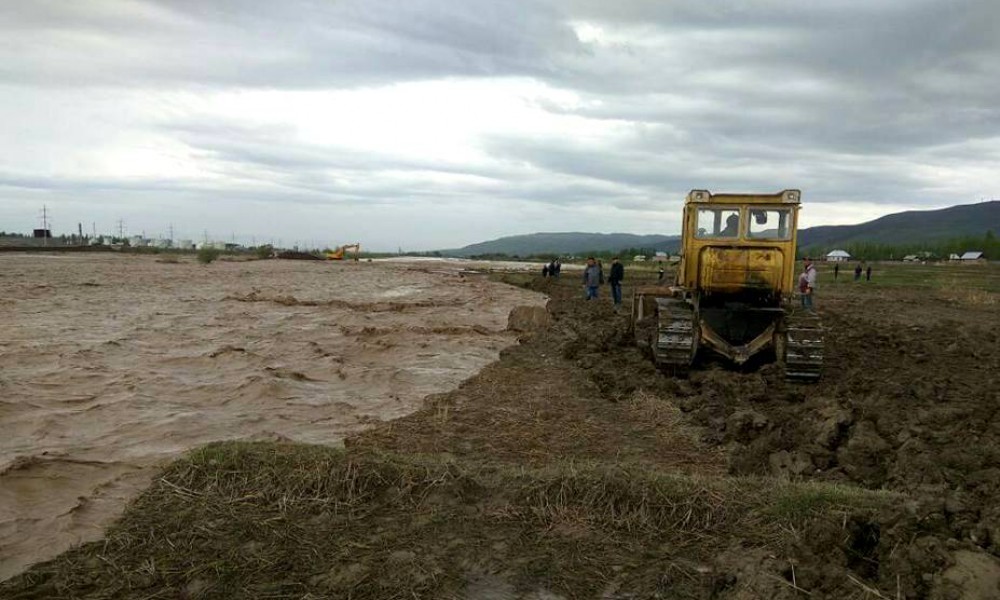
{"x": 615, "y": 281}
{"x": 868, "y": 273}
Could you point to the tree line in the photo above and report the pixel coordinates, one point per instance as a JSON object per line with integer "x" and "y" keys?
{"x": 987, "y": 243}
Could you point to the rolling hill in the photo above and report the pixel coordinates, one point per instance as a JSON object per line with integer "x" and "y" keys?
{"x": 905, "y": 228}
{"x": 910, "y": 227}
{"x": 566, "y": 243}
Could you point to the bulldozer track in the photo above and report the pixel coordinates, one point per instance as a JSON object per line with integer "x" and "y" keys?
{"x": 675, "y": 335}
{"x": 804, "y": 348}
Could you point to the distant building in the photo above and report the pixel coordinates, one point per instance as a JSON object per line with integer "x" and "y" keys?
{"x": 638, "y": 258}
{"x": 911, "y": 258}
{"x": 838, "y": 256}
{"x": 954, "y": 256}
{"x": 661, "y": 257}
{"x": 973, "y": 256}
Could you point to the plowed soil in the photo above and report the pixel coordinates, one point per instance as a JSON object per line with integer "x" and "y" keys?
{"x": 909, "y": 402}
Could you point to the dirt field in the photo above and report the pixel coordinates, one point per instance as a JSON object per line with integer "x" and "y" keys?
{"x": 573, "y": 469}
{"x": 112, "y": 365}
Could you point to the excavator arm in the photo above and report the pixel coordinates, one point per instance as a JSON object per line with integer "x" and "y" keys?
{"x": 339, "y": 253}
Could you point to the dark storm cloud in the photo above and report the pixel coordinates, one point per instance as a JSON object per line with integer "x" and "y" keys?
{"x": 890, "y": 101}
{"x": 298, "y": 44}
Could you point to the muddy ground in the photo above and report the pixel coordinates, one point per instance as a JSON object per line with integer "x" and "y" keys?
{"x": 909, "y": 402}
{"x": 573, "y": 430}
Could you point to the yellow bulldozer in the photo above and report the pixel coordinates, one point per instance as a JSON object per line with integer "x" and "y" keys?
{"x": 733, "y": 294}
{"x": 339, "y": 253}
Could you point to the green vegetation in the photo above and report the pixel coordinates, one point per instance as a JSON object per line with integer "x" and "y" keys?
{"x": 945, "y": 277}
{"x": 207, "y": 254}
{"x": 988, "y": 243}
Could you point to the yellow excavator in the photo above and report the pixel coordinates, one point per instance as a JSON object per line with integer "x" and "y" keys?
{"x": 733, "y": 294}
{"x": 339, "y": 253}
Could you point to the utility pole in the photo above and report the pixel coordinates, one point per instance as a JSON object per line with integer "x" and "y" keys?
{"x": 45, "y": 225}
{"x": 79, "y": 230}
{"x": 121, "y": 231}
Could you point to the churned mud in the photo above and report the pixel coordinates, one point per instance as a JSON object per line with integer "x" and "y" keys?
{"x": 112, "y": 365}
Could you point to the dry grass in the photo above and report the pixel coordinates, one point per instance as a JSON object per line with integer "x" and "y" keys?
{"x": 973, "y": 297}
{"x": 296, "y": 521}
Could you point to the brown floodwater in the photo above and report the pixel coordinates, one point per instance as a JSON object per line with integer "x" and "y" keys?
{"x": 112, "y": 365}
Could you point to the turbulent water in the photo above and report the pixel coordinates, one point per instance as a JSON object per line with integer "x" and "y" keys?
{"x": 112, "y": 365}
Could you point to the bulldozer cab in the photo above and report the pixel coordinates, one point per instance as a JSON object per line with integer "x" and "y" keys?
{"x": 739, "y": 245}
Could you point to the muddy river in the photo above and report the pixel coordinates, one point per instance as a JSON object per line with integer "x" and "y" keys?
{"x": 111, "y": 365}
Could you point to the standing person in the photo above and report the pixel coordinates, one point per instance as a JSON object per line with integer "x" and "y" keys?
{"x": 545, "y": 271}
{"x": 660, "y": 276}
{"x": 868, "y": 273}
{"x": 552, "y": 268}
{"x": 592, "y": 277}
{"x": 807, "y": 284}
{"x": 558, "y": 267}
{"x": 615, "y": 281}
{"x": 857, "y": 272}
{"x": 836, "y": 270}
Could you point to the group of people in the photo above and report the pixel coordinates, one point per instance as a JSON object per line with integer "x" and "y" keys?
{"x": 857, "y": 272}
{"x": 593, "y": 278}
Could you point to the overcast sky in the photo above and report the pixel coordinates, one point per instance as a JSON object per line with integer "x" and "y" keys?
{"x": 428, "y": 124}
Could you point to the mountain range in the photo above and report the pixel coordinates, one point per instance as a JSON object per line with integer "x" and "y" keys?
{"x": 905, "y": 228}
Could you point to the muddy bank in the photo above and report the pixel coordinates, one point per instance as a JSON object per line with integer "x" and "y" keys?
{"x": 110, "y": 366}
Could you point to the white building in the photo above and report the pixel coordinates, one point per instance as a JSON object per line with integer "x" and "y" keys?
{"x": 638, "y": 258}
{"x": 838, "y": 256}
{"x": 974, "y": 256}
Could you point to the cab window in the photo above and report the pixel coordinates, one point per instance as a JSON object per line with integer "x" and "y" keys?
{"x": 769, "y": 224}
{"x": 718, "y": 223}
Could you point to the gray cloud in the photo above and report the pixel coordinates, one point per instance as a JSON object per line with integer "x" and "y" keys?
{"x": 858, "y": 103}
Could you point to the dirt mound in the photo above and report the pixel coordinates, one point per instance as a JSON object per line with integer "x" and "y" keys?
{"x": 296, "y": 255}
{"x": 528, "y": 319}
